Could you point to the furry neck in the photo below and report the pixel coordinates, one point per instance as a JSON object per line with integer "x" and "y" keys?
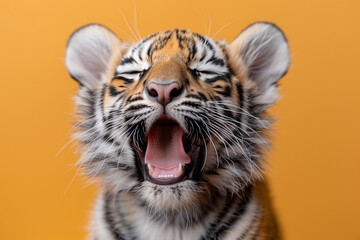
{"x": 128, "y": 217}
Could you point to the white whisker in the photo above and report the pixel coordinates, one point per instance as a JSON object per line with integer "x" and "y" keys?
{"x": 220, "y": 30}
{"x": 136, "y": 22}
{"x": 128, "y": 25}
{"x": 125, "y": 33}
{"x": 208, "y": 32}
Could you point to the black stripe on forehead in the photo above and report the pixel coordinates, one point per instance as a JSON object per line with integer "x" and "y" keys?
{"x": 184, "y": 41}
{"x": 140, "y": 54}
{"x": 192, "y": 51}
{"x": 213, "y": 49}
{"x": 141, "y": 43}
{"x": 216, "y": 61}
{"x": 159, "y": 43}
{"x": 127, "y": 60}
{"x": 205, "y": 41}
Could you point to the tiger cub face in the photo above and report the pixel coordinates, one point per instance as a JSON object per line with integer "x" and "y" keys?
{"x": 177, "y": 118}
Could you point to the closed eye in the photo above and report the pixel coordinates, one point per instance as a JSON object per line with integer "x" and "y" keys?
{"x": 204, "y": 74}
{"x": 132, "y": 74}
{"x": 208, "y": 72}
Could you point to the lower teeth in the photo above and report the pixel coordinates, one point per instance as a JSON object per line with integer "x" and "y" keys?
{"x": 151, "y": 170}
{"x": 166, "y": 176}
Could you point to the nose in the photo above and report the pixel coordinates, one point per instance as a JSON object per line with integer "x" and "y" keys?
{"x": 163, "y": 93}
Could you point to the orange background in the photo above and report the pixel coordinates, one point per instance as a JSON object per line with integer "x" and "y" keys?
{"x": 315, "y": 163}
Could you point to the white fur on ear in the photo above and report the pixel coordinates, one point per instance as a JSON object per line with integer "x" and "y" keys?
{"x": 264, "y": 51}
{"x": 88, "y": 54}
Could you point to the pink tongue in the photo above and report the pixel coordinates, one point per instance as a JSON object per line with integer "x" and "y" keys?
{"x": 165, "y": 149}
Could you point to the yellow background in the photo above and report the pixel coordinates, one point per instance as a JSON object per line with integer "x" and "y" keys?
{"x": 315, "y": 162}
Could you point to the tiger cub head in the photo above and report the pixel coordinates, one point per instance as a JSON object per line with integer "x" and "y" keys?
{"x": 177, "y": 119}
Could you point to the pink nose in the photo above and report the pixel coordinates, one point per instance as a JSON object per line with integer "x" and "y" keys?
{"x": 163, "y": 93}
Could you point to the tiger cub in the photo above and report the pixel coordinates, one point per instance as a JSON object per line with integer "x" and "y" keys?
{"x": 175, "y": 126}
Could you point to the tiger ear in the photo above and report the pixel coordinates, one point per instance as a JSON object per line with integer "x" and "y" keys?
{"x": 88, "y": 54}
{"x": 263, "y": 51}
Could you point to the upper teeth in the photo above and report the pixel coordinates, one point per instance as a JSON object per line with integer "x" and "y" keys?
{"x": 180, "y": 168}
{"x": 151, "y": 169}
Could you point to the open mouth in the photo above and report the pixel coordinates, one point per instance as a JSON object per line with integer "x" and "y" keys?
{"x": 170, "y": 155}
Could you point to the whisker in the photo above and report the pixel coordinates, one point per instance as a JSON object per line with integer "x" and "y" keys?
{"x": 126, "y": 34}
{"x": 212, "y": 143}
{"x": 203, "y": 19}
{"x": 224, "y": 117}
{"x": 208, "y": 32}
{"x": 242, "y": 111}
{"x": 72, "y": 140}
{"x": 128, "y": 25}
{"x": 72, "y": 180}
{"x": 136, "y": 22}
{"x": 73, "y": 128}
{"x": 220, "y": 30}
{"x": 206, "y": 153}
